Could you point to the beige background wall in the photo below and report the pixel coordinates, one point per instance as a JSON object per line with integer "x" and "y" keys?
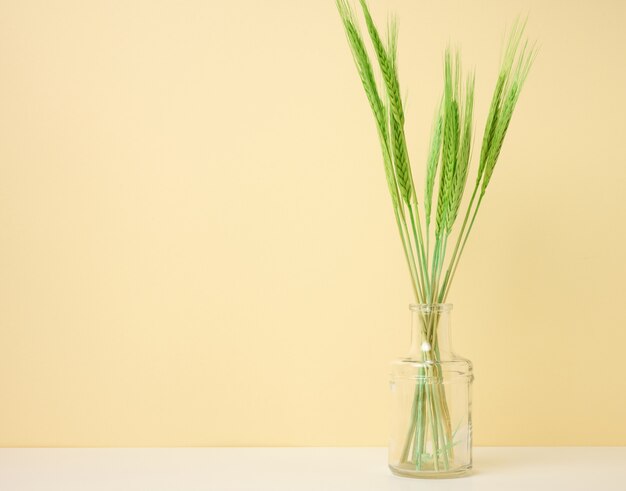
{"x": 197, "y": 247}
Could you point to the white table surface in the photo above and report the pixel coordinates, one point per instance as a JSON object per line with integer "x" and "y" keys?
{"x": 302, "y": 469}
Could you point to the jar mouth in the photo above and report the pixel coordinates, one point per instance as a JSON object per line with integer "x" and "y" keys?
{"x": 430, "y": 307}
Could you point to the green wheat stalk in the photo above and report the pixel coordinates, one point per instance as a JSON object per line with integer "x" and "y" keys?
{"x": 381, "y": 116}
{"x": 432, "y": 164}
{"x": 387, "y": 61}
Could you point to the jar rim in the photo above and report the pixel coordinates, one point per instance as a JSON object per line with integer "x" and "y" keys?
{"x": 430, "y": 307}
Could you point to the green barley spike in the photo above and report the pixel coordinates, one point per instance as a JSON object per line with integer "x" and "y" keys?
{"x": 464, "y": 152}
{"x": 450, "y": 145}
{"x": 386, "y": 56}
{"x": 433, "y": 162}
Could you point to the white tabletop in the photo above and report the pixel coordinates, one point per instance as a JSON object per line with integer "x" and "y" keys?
{"x": 302, "y": 469}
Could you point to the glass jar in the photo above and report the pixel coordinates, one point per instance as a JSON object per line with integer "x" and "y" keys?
{"x": 431, "y": 425}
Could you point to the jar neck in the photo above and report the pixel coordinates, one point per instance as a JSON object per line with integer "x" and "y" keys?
{"x": 430, "y": 331}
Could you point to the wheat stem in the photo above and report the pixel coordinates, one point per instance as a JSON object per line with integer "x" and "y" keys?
{"x": 456, "y": 264}
{"x": 447, "y": 278}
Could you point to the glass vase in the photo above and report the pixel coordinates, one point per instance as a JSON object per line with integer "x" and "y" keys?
{"x": 431, "y": 426}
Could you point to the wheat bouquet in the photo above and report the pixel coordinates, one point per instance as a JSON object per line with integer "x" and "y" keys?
{"x": 426, "y": 219}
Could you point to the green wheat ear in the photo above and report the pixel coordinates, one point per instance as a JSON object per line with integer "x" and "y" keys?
{"x": 387, "y": 56}
{"x": 366, "y": 73}
{"x": 432, "y": 162}
{"x": 513, "y": 72}
{"x": 451, "y": 136}
{"x": 463, "y": 154}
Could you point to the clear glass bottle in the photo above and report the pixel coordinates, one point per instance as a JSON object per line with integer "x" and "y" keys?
{"x": 431, "y": 425}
